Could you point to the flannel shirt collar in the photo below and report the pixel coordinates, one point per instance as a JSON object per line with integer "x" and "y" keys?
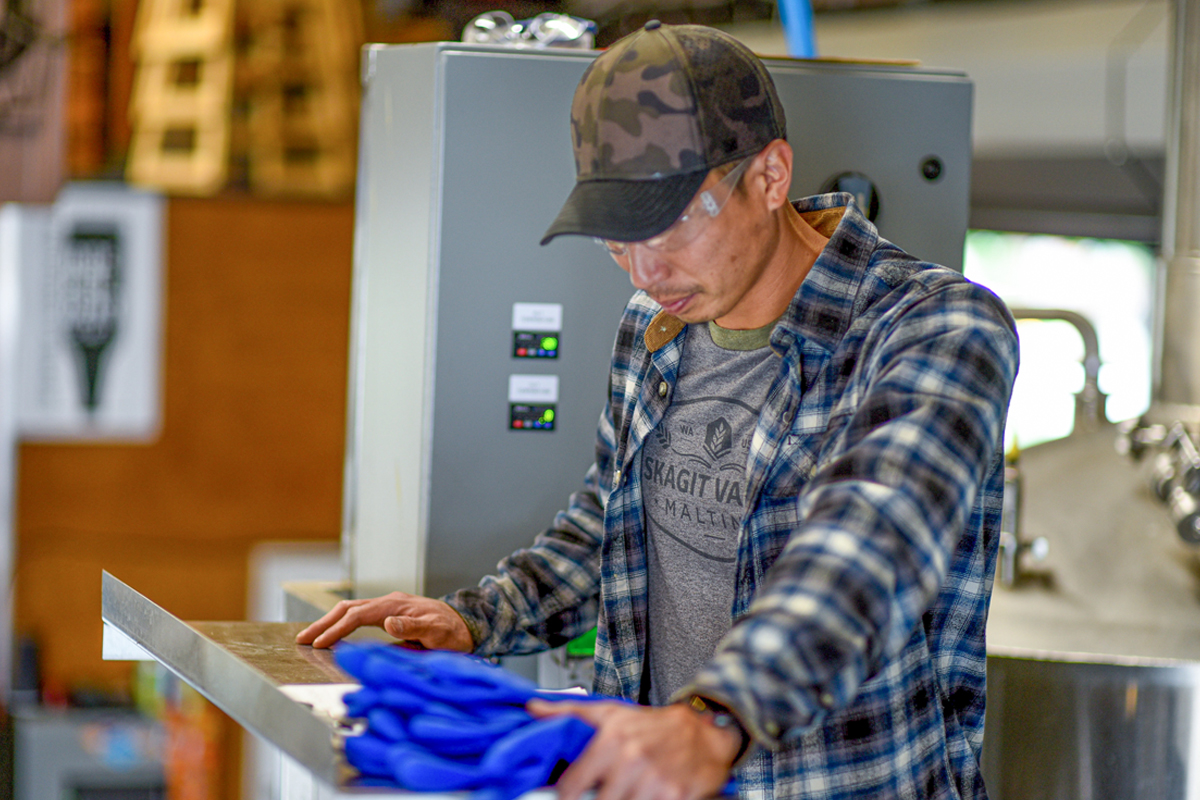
{"x": 823, "y": 307}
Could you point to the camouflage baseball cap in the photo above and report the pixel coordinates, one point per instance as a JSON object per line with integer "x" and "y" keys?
{"x": 651, "y": 116}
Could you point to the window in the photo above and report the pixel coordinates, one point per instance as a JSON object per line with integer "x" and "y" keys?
{"x": 1108, "y": 281}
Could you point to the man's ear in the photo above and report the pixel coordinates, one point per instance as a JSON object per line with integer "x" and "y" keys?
{"x": 776, "y": 161}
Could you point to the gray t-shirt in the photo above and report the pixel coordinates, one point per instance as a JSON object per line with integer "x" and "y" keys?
{"x": 694, "y": 487}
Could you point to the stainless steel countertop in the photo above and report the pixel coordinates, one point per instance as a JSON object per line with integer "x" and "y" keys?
{"x": 245, "y": 669}
{"x": 259, "y": 676}
{"x": 270, "y": 648}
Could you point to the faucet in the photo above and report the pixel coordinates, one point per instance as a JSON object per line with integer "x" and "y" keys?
{"x": 1089, "y": 401}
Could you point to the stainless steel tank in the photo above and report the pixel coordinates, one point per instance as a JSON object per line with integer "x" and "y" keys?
{"x": 1094, "y": 652}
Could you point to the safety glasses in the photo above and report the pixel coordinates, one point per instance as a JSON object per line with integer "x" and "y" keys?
{"x": 684, "y": 230}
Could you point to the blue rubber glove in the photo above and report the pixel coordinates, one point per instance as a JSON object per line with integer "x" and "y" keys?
{"x": 527, "y": 758}
{"x": 457, "y": 737}
{"x": 454, "y": 734}
{"x": 419, "y": 770}
{"x": 409, "y": 766}
{"x": 540, "y": 742}
{"x": 388, "y": 724}
{"x": 449, "y": 722}
{"x": 368, "y": 754}
{"x": 519, "y": 762}
{"x": 451, "y": 678}
{"x": 359, "y": 702}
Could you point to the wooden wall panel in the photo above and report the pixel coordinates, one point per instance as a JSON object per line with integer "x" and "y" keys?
{"x": 251, "y": 449}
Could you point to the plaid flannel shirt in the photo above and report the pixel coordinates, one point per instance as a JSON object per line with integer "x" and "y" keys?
{"x": 856, "y": 659}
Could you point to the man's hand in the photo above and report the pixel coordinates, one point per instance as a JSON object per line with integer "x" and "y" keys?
{"x": 639, "y": 753}
{"x": 411, "y": 618}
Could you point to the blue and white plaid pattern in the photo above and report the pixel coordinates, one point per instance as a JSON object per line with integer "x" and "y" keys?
{"x": 874, "y": 485}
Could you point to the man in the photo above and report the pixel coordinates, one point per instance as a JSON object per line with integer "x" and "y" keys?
{"x": 788, "y": 535}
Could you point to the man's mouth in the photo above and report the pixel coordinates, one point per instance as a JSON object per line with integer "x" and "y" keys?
{"x": 673, "y": 305}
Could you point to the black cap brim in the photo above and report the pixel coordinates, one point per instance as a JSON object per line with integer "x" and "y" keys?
{"x": 625, "y": 211}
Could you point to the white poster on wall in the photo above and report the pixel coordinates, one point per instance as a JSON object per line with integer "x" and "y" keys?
{"x": 91, "y": 277}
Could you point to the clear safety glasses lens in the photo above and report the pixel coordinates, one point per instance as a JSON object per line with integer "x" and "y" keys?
{"x": 684, "y": 230}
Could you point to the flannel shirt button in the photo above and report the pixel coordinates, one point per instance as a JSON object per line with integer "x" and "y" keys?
{"x": 826, "y": 700}
{"x": 617, "y": 478}
{"x": 772, "y": 729}
{"x": 663, "y": 389}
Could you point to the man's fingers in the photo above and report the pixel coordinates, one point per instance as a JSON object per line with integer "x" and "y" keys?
{"x": 588, "y": 771}
{"x": 336, "y": 632}
{"x": 345, "y": 621}
{"x": 667, "y": 753}
{"x": 307, "y": 635}
{"x": 584, "y": 773}
{"x": 431, "y": 623}
{"x": 607, "y": 765}
{"x": 619, "y": 783}
{"x": 401, "y": 628}
{"x": 314, "y": 630}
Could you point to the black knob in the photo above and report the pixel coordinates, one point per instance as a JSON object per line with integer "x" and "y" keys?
{"x": 931, "y": 168}
{"x": 1189, "y": 529}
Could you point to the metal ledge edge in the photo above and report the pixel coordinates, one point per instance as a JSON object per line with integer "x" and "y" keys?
{"x": 242, "y": 692}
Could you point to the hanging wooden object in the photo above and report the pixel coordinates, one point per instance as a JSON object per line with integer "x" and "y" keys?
{"x": 300, "y": 78}
{"x": 180, "y": 109}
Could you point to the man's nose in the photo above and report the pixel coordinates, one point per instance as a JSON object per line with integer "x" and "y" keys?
{"x": 646, "y": 267}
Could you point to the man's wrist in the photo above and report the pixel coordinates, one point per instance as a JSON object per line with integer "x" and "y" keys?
{"x": 475, "y": 634}
{"x": 722, "y": 718}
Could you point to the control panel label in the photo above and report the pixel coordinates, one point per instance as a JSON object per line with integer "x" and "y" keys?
{"x": 533, "y": 388}
{"x": 540, "y": 317}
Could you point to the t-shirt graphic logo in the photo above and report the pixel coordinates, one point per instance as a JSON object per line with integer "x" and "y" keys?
{"x": 718, "y": 438}
{"x": 663, "y": 434}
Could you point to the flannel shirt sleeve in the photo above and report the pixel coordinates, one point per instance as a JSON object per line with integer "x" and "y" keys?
{"x": 547, "y": 594}
{"x": 879, "y": 519}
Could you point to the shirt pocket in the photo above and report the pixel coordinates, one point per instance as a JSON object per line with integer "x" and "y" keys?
{"x": 795, "y": 461}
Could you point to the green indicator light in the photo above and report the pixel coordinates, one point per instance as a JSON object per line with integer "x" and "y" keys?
{"x": 548, "y": 415}
{"x": 550, "y": 343}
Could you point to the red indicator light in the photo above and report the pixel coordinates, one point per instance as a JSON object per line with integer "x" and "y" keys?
{"x": 521, "y": 352}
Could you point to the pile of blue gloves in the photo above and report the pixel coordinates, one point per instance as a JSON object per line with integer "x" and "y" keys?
{"x": 439, "y": 721}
